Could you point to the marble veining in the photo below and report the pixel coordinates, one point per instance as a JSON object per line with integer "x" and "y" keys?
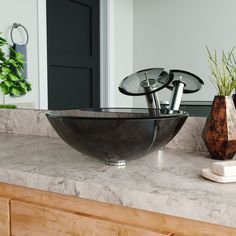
{"x": 190, "y": 136}
{"x": 25, "y": 121}
{"x": 166, "y": 181}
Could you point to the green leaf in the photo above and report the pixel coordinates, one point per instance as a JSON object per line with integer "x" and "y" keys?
{"x": 2, "y": 41}
{"x": 21, "y": 61}
{"x": 18, "y": 71}
{"x": 20, "y": 65}
{"x": 23, "y": 85}
{"x": 6, "y": 70}
{"x": 5, "y": 90}
{"x": 12, "y": 51}
{"x": 22, "y": 91}
{"x": 12, "y": 61}
{"x": 2, "y": 55}
{"x": 19, "y": 56}
{"x": 8, "y": 83}
{"x": 28, "y": 85}
{"x": 13, "y": 77}
{"x": 2, "y": 77}
{"x": 12, "y": 64}
{"x": 15, "y": 92}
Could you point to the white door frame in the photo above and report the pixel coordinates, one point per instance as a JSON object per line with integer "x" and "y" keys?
{"x": 106, "y": 53}
{"x": 42, "y": 55}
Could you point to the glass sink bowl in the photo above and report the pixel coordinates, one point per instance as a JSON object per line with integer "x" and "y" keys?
{"x": 116, "y": 135}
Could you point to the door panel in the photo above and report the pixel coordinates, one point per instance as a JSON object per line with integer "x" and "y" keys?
{"x": 78, "y": 82}
{"x": 29, "y": 219}
{"x": 73, "y": 54}
{"x": 65, "y": 32}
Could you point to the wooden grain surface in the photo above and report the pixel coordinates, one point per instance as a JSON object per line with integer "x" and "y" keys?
{"x": 122, "y": 215}
{"x": 29, "y": 219}
{"x": 4, "y": 217}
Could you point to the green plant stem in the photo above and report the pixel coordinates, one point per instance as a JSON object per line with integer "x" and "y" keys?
{"x": 223, "y": 72}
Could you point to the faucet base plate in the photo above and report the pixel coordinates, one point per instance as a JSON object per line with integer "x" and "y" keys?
{"x": 115, "y": 162}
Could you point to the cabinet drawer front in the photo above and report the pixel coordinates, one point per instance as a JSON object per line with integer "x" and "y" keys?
{"x": 29, "y": 219}
{"x": 4, "y": 216}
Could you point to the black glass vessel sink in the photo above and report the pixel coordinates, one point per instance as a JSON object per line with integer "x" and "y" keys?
{"x": 117, "y": 135}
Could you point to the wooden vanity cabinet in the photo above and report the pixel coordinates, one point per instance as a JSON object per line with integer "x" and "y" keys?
{"x": 38, "y": 213}
{"x": 36, "y": 220}
{"x": 4, "y": 216}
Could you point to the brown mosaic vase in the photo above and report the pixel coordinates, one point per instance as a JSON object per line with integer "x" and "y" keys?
{"x": 219, "y": 133}
{"x": 234, "y": 99}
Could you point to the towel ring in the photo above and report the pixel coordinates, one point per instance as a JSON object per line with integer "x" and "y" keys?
{"x": 16, "y": 25}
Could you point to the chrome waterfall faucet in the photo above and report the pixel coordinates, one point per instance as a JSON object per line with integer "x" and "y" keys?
{"x": 148, "y": 82}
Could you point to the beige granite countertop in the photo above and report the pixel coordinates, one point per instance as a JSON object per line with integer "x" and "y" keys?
{"x": 166, "y": 181}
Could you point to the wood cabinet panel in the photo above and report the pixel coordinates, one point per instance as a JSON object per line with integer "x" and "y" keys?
{"x": 29, "y": 219}
{"x": 114, "y": 213}
{"x": 4, "y": 216}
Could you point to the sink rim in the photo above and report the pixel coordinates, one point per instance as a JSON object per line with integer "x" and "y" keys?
{"x": 175, "y": 114}
{"x": 116, "y": 140}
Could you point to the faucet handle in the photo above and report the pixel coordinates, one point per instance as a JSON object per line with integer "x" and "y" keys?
{"x": 145, "y": 82}
{"x": 192, "y": 82}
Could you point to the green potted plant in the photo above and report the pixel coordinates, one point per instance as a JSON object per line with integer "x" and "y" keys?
{"x": 11, "y": 80}
{"x": 223, "y": 73}
{"x": 219, "y": 133}
{"x": 231, "y": 62}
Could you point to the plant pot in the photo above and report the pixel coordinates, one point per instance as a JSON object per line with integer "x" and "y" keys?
{"x": 219, "y": 133}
